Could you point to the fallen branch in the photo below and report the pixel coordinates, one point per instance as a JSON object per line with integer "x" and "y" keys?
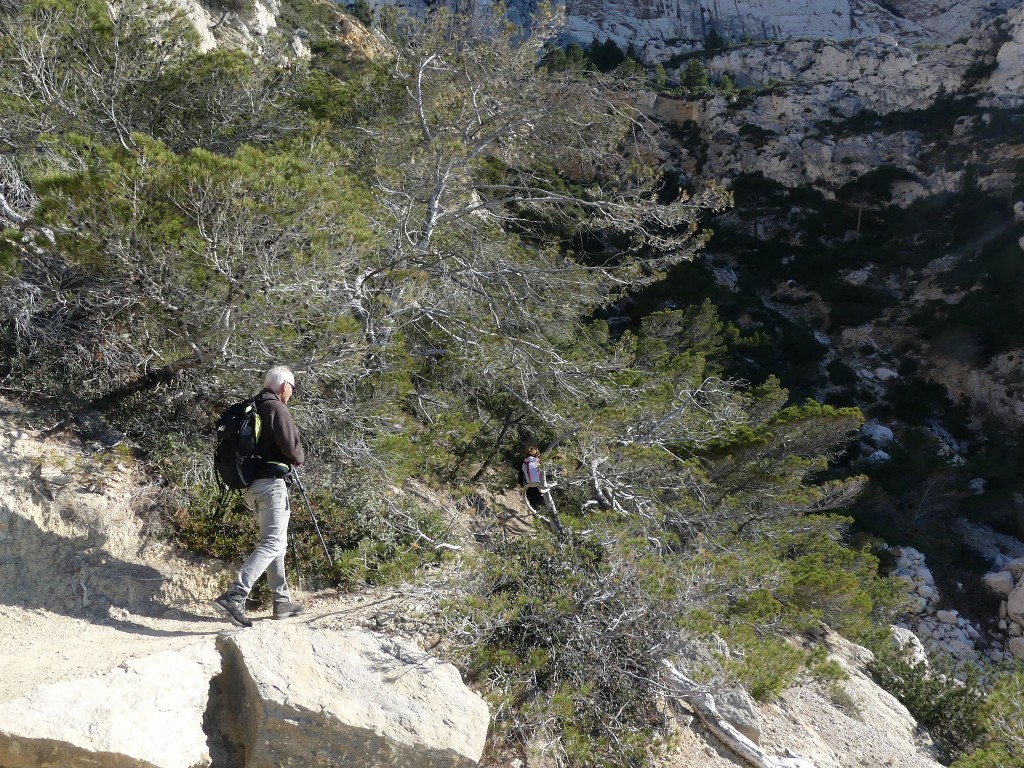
{"x": 10, "y": 214}
{"x": 703, "y": 704}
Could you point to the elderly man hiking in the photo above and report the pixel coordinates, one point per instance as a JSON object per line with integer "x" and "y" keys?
{"x": 280, "y": 449}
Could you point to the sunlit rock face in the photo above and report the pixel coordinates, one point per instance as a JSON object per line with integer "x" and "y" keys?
{"x": 1007, "y": 81}
{"x": 657, "y": 30}
{"x": 244, "y": 27}
{"x": 660, "y": 28}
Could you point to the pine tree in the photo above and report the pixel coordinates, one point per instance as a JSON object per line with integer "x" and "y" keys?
{"x": 694, "y": 75}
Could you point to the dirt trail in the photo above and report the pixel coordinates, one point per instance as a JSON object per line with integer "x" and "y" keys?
{"x": 81, "y": 587}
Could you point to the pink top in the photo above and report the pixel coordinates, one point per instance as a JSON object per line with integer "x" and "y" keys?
{"x": 531, "y": 470}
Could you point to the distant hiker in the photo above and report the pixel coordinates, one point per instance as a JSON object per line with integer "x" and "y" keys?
{"x": 538, "y": 491}
{"x": 279, "y": 449}
{"x": 531, "y": 477}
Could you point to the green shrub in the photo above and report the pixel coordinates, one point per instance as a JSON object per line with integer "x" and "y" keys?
{"x": 1002, "y": 716}
{"x": 694, "y": 75}
{"x": 314, "y": 17}
{"x": 949, "y": 709}
{"x": 362, "y": 10}
{"x": 768, "y": 667}
{"x": 605, "y": 56}
{"x": 234, "y": 6}
{"x": 564, "y": 638}
{"x": 372, "y": 537}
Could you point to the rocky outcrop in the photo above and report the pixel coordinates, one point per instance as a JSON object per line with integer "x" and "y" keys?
{"x": 678, "y": 25}
{"x": 254, "y": 25}
{"x": 71, "y": 536}
{"x": 281, "y": 695}
{"x": 147, "y": 713}
{"x": 109, "y": 660}
{"x": 306, "y": 697}
{"x": 797, "y": 133}
{"x": 217, "y": 26}
{"x": 1006, "y": 83}
{"x": 658, "y": 31}
{"x": 877, "y": 74}
{"x": 1008, "y": 583}
{"x": 814, "y": 112}
{"x": 994, "y": 385}
{"x": 848, "y": 723}
{"x": 856, "y": 723}
{"x": 946, "y": 631}
{"x": 999, "y": 548}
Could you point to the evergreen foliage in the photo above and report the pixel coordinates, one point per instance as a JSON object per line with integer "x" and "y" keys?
{"x": 694, "y": 75}
{"x": 714, "y": 40}
{"x": 79, "y": 68}
{"x": 606, "y": 56}
{"x": 1002, "y": 715}
{"x": 566, "y": 636}
{"x": 362, "y": 10}
{"x": 949, "y": 709}
{"x": 660, "y": 75}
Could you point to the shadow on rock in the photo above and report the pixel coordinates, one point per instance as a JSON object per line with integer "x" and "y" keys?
{"x": 76, "y": 576}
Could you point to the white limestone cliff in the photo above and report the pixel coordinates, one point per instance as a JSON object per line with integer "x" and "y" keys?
{"x": 657, "y": 31}
{"x": 814, "y": 111}
{"x": 245, "y": 27}
{"x": 1006, "y": 84}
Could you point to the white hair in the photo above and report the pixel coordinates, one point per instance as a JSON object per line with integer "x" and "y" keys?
{"x": 277, "y": 376}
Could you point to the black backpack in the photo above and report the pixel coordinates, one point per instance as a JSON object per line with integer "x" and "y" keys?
{"x": 236, "y": 460}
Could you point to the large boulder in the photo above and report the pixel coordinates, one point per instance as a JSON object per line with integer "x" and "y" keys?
{"x": 308, "y": 697}
{"x": 1007, "y": 82}
{"x": 909, "y": 643}
{"x": 146, "y": 713}
{"x": 1015, "y": 645}
{"x": 1015, "y": 604}
{"x": 878, "y": 434}
{"x": 738, "y": 709}
{"x": 1001, "y": 582}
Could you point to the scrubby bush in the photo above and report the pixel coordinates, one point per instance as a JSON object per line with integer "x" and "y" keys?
{"x": 951, "y": 710}
{"x": 1002, "y": 717}
{"x": 564, "y": 637}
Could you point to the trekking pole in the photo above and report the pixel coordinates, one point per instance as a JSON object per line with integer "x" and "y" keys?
{"x": 302, "y": 490}
{"x": 295, "y": 561}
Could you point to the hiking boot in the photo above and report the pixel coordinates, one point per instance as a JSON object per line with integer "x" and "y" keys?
{"x": 234, "y": 608}
{"x": 286, "y": 610}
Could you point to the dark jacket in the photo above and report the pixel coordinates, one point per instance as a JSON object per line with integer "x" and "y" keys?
{"x": 279, "y": 445}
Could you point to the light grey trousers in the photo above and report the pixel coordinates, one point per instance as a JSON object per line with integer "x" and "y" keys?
{"x": 269, "y": 498}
